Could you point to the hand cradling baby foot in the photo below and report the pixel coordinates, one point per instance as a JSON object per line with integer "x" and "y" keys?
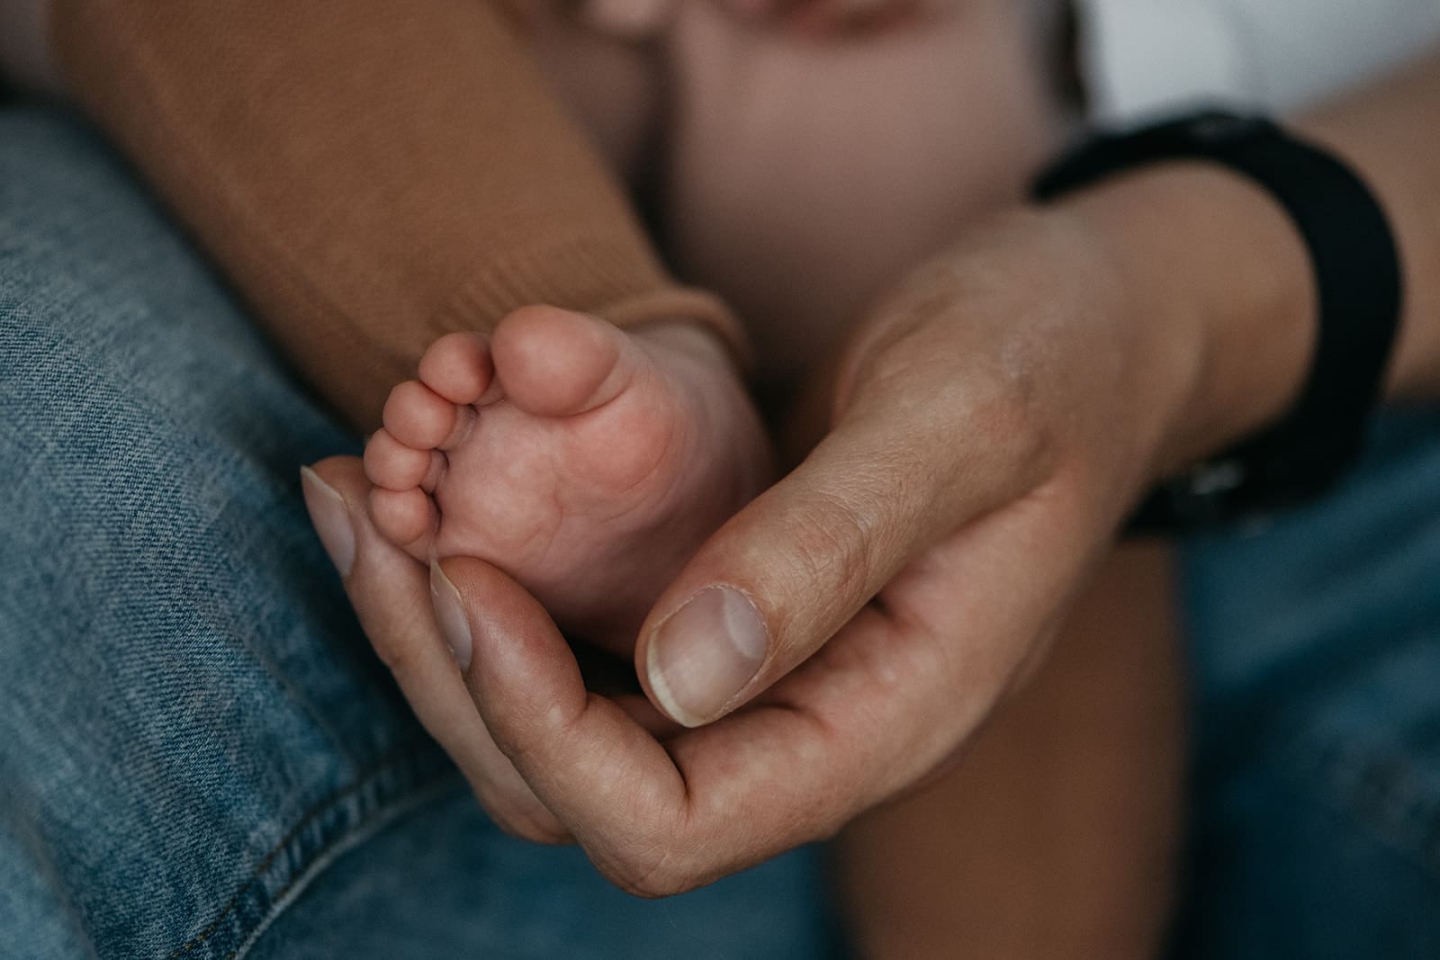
{"x": 587, "y": 462}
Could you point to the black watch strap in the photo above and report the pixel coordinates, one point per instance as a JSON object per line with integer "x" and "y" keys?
{"x": 1358, "y": 282}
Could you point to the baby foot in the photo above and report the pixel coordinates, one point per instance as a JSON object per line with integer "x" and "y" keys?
{"x": 587, "y": 462}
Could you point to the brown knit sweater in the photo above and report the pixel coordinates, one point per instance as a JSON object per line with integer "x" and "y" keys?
{"x": 370, "y": 174}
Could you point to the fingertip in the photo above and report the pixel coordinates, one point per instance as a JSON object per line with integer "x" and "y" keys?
{"x": 330, "y": 515}
{"x": 523, "y": 675}
{"x": 541, "y": 828}
{"x": 340, "y": 479}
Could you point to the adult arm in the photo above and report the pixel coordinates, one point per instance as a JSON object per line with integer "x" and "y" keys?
{"x": 997, "y": 417}
{"x": 371, "y": 175}
{"x": 1080, "y": 350}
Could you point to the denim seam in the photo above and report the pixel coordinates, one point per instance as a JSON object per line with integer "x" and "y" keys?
{"x": 419, "y": 766}
{"x": 426, "y": 793}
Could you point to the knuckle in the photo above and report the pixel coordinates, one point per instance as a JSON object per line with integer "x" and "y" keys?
{"x": 653, "y": 877}
{"x": 550, "y": 835}
{"x": 503, "y": 818}
{"x": 1001, "y": 411}
{"x": 527, "y": 826}
{"x": 833, "y": 545}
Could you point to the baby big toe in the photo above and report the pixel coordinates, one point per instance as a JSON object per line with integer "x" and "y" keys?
{"x": 559, "y": 363}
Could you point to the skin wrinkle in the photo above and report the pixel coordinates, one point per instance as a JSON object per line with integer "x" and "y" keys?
{"x": 878, "y": 656}
{"x": 1003, "y": 427}
{"x": 836, "y": 547}
{"x": 880, "y": 659}
{"x": 1032, "y": 358}
{"x": 398, "y": 656}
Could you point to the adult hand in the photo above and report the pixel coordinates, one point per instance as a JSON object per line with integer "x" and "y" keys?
{"x": 391, "y": 593}
{"x": 991, "y": 426}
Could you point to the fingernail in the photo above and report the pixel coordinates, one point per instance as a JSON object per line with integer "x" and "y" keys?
{"x": 701, "y": 657}
{"x": 331, "y": 519}
{"x": 451, "y": 615}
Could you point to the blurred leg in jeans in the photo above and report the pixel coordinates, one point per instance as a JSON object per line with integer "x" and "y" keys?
{"x": 1316, "y": 663}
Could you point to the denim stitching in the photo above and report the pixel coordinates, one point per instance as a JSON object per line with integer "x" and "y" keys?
{"x": 397, "y": 757}
{"x": 425, "y": 792}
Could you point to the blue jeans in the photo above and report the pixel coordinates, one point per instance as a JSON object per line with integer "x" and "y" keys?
{"x": 199, "y": 754}
{"x": 1315, "y": 646}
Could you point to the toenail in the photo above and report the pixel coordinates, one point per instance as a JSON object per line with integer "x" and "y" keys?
{"x": 331, "y": 519}
{"x": 705, "y": 654}
{"x": 450, "y": 614}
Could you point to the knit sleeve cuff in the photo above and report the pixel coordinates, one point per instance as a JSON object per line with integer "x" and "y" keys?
{"x": 604, "y": 272}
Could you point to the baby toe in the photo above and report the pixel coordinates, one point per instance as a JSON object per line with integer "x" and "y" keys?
{"x": 393, "y": 465}
{"x": 406, "y": 518}
{"x": 458, "y": 367}
{"x": 419, "y": 417}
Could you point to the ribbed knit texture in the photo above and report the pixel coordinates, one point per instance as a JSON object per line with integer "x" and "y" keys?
{"x": 370, "y": 174}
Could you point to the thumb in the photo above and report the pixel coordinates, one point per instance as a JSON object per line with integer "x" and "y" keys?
{"x": 787, "y": 572}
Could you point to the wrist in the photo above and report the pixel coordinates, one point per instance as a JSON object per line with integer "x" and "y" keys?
{"x": 1210, "y": 270}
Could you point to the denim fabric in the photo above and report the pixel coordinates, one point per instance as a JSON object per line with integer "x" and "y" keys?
{"x": 1316, "y": 650}
{"x": 199, "y": 754}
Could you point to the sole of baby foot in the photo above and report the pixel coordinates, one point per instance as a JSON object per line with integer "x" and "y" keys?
{"x": 587, "y": 462}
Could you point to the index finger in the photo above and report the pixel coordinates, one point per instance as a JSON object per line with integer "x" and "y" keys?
{"x": 390, "y": 592}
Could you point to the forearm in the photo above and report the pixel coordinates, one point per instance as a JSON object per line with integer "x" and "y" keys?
{"x": 1210, "y": 261}
{"x": 1391, "y": 133}
{"x": 371, "y": 175}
